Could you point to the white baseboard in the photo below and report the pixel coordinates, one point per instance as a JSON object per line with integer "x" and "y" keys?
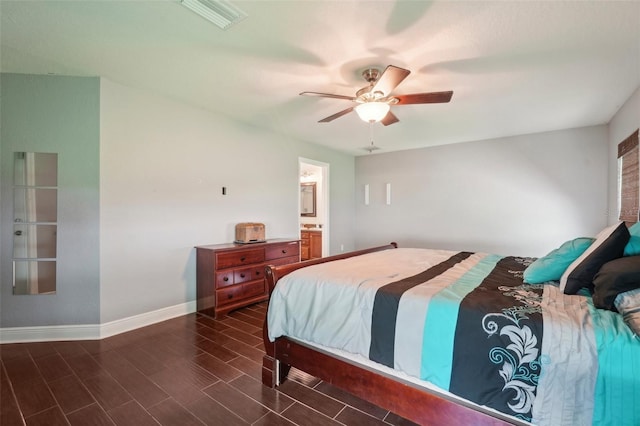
{"x": 92, "y": 331}
{"x": 131, "y": 323}
{"x": 49, "y": 333}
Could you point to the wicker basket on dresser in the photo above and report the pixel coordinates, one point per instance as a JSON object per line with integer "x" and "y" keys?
{"x": 231, "y": 276}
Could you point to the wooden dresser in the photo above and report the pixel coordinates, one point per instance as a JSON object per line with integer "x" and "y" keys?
{"x": 311, "y": 244}
{"x": 230, "y": 276}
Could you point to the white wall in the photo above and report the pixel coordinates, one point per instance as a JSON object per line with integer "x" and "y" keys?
{"x": 623, "y": 124}
{"x": 522, "y": 195}
{"x": 59, "y": 115}
{"x": 163, "y": 165}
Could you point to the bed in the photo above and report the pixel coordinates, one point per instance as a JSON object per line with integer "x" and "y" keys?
{"x": 444, "y": 337}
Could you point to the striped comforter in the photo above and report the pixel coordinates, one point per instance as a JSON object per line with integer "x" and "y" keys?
{"x": 468, "y": 324}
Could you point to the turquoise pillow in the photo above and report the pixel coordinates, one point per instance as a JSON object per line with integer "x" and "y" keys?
{"x": 633, "y": 246}
{"x": 552, "y": 266}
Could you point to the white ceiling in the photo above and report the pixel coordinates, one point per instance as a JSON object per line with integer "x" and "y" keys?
{"x": 515, "y": 67}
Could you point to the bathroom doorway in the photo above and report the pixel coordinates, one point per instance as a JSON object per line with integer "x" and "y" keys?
{"x": 313, "y": 206}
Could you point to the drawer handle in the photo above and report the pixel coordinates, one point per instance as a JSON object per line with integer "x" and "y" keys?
{"x": 225, "y": 279}
{"x": 241, "y": 275}
{"x": 257, "y": 272}
{"x": 230, "y": 296}
{"x": 284, "y": 252}
{"x": 242, "y": 259}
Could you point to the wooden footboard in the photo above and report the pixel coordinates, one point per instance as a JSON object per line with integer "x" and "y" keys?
{"x": 409, "y": 401}
{"x": 274, "y": 273}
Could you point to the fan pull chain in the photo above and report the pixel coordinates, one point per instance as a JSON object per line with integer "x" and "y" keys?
{"x": 371, "y": 133}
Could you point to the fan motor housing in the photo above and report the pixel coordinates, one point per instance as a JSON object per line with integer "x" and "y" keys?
{"x": 371, "y": 74}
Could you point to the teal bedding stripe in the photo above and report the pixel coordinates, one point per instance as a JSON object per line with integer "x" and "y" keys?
{"x": 440, "y": 323}
{"x": 617, "y": 384}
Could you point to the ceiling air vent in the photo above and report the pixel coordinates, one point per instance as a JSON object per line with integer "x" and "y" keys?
{"x": 220, "y": 12}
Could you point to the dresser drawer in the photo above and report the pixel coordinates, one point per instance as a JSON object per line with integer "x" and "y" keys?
{"x": 284, "y": 260}
{"x": 277, "y": 251}
{"x": 248, "y": 274}
{"x": 304, "y": 252}
{"x": 229, "y": 294}
{"x": 254, "y": 288}
{"x": 237, "y": 292}
{"x": 239, "y": 258}
{"x": 224, "y": 278}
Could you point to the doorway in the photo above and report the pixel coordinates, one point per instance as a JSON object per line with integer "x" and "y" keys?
{"x": 314, "y": 172}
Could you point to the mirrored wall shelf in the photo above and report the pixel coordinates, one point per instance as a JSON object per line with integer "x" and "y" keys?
{"x": 35, "y": 222}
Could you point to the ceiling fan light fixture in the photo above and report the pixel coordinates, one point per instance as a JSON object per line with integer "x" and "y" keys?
{"x": 372, "y": 112}
{"x": 220, "y": 12}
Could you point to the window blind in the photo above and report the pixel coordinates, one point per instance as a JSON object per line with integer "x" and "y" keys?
{"x": 629, "y": 178}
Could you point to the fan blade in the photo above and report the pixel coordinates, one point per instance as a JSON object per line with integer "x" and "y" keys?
{"x": 389, "y": 80}
{"x": 424, "y": 98}
{"x": 328, "y": 95}
{"x": 336, "y": 115}
{"x": 390, "y": 118}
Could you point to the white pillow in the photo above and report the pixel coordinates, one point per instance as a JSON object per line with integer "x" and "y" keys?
{"x": 628, "y": 304}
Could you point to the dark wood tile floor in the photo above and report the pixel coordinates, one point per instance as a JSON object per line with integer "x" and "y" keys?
{"x": 191, "y": 370}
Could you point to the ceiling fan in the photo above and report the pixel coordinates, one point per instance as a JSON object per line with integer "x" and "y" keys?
{"x": 375, "y": 100}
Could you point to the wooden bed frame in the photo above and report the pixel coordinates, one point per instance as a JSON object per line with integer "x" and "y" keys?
{"x": 409, "y": 401}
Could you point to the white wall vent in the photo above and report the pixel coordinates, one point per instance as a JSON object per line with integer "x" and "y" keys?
{"x": 220, "y": 12}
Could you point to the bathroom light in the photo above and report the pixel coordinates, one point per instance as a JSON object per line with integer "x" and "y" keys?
{"x": 388, "y": 194}
{"x": 372, "y": 112}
